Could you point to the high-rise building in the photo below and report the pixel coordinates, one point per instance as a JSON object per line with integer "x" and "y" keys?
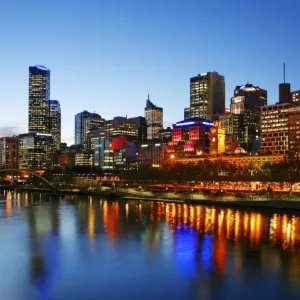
{"x": 92, "y": 122}
{"x": 39, "y": 93}
{"x": 245, "y": 111}
{"x": 55, "y": 122}
{"x": 9, "y": 151}
{"x": 274, "y": 128}
{"x": 141, "y": 124}
{"x": 84, "y": 122}
{"x": 294, "y": 129}
{"x": 207, "y": 96}
{"x": 295, "y": 97}
{"x": 35, "y": 150}
{"x": 154, "y": 119}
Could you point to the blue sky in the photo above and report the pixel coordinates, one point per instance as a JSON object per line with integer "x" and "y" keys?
{"x": 105, "y": 56}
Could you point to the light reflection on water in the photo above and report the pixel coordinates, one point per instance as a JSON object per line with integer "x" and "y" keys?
{"x": 91, "y": 248}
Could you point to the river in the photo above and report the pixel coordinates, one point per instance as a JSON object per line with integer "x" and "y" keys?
{"x": 84, "y": 247}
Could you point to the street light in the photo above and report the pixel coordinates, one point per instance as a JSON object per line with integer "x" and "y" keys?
{"x": 172, "y": 156}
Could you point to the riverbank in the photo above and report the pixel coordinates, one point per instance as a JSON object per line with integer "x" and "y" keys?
{"x": 278, "y": 204}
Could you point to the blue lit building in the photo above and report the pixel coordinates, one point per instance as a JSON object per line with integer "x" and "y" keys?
{"x": 190, "y": 137}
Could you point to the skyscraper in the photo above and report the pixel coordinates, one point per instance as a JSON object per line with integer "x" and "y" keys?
{"x": 55, "y": 122}
{"x": 207, "y": 96}
{"x": 245, "y": 111}
{"x": 39, "y": 93}
{"x": 84, "y": 122}
{"x": 154, "y": 119}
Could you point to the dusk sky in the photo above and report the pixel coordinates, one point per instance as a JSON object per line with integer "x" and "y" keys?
{"x": 105, "y": 56}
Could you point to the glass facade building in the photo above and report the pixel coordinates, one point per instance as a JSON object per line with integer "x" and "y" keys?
{"x": 35, "y": 150}
{"x": 154, "y": 119}
{"x": 207, "y": 96}
{"x": 39, "y": 93}
{"x": 55, "y": 122}
{"x": 245, "y": 111}
{"x": 84, "y": 122}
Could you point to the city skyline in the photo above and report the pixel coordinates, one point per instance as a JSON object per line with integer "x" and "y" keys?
{"x": 152, "y": 50}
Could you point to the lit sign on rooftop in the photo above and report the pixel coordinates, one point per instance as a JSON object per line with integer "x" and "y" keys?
{"x": 185, "y": 123}
{"x": 208, "y": 123}
{"x": 41, "y": 67}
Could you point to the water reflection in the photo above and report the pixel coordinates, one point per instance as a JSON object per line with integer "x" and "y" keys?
{"x": 210, "y": 249}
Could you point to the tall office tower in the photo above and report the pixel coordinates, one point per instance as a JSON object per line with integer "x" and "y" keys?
{"x": 92, "y": 122}
{"x": 245, "y": 111}
{"x": 280, "y": 127}
{"x": 295, "y": 96}
{"x": 207, "y": 96}
{"x": 275, "y": 128}
{"x": 79, "y": 120}
{"x": 35, "y": 150}
{"x": 55, "y": 122}
{"x": 84, "y": 122}
{"x": 154, "y": 119}
{"x": 9, "y": 152}
{"x": 39, "y": 93}
{"x": 141, "y": 124}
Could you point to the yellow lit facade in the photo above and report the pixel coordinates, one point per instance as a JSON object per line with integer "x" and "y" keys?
{"x": 154, "y": 119}
{"x": 216, "y": 139}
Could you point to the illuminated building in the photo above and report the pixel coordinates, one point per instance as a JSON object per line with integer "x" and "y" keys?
{"x": 79, "y": 118}
{"x": 93, "y": 136}
{"x": 207, "y": 96}
{"x": 84, "y": 122}
{"x": 226, "y": 121}
{"x": 121, "y": 126}
{"x": 295, "y": 96}
{"x": 216, "y": 139}
{"x": 150, "y": 155}
{"x": 280, "y": 125}
{"x": 294, "y": 130}
{"x": 115, "y": 153}
{"x": 104, "y": 153}
{"x": 190, "y": 137}
{"x": 84, "y": 158}
{"x": 135, "y": 129}
{"x": 274, "y": 128}
{"x": 245, "y": 111}
{"x": 39, "y": 93}
{"x": 238, "y": 160}
{"x": 9, "y": 151}
{"x": 35, "y": 150}
{"x": 154, "y": 119}
{"x": 92, "y": 122}
{"x": 141, "y": 124}
{"x": 55, "y": 122}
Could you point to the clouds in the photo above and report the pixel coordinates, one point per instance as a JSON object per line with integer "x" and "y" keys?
{"x": 11, "y": 130}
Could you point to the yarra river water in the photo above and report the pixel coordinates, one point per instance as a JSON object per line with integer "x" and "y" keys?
{"x": 91, "y": 248}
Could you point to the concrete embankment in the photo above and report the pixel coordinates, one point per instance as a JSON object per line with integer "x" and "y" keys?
{"x": 286, "y": 204}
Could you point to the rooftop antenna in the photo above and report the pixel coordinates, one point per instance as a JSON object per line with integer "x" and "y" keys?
{"x": 283, "y": 72}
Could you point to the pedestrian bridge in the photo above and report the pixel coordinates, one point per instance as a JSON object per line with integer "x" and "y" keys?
{"x": 51, "y": 185}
